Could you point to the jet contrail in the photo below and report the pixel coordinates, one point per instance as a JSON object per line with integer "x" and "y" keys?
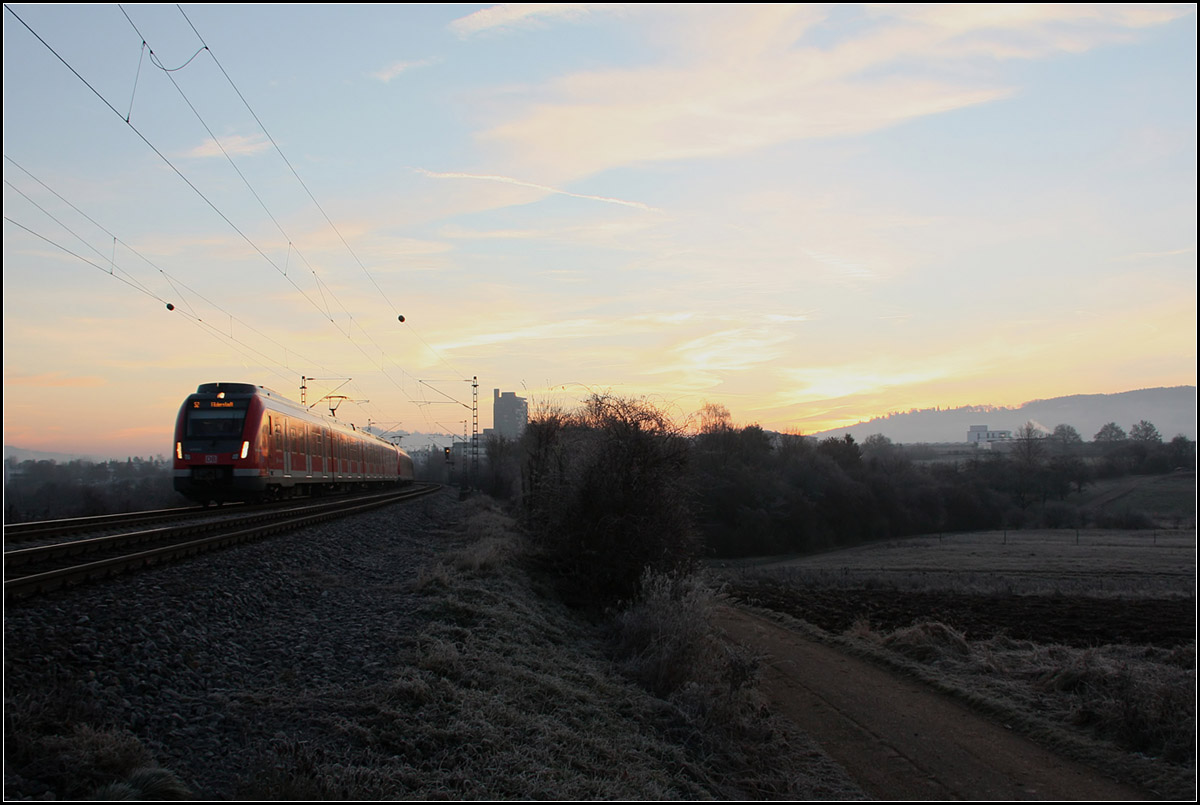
{"x": 509, "y": 180}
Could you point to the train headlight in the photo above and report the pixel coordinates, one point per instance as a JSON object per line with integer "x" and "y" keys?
{"x": 245, "y": 449}
{"x": 179, "y": 450}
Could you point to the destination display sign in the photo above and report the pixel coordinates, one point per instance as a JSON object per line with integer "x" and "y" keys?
{"x": 203, "y": 405}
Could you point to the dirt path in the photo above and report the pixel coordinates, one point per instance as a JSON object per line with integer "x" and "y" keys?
{"x": 901, "y": 740}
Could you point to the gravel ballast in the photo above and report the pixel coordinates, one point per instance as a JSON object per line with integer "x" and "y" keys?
{"x": 187, "y": 658}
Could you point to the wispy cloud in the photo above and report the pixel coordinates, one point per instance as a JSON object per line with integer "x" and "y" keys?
{"x": 1059, "y": 26}
{"x": 608, "y": 234}
{"x": 234, "y": 145}
{"x": 493, "y": 333}
{"x": 54, "y": 380}
{"x": 459, "y": 233}
{"x": 815, "y": 384}
{"x": 730, "y": 350}
{"x": 396, "y": 68}
{"x": 569, "y": 328}
{"x": 534, "y": 186}
{"x": 630, "y": 117}
{"x": 739, "y": 81}
{"x": 526, "y": 15}
{"x": 1146, "y": 255}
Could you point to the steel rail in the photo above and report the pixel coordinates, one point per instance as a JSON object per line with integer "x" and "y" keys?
{"x": 18, "y": 532}
{"x": 18, "y": 557}
{"x": 46, "y": 529}
{"x": 25, "y": 585}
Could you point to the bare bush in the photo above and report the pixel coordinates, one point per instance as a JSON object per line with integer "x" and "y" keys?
{"x": 665, "y": 638}
{"x": 606, "y": 495}
{"x": 666, "y": 641}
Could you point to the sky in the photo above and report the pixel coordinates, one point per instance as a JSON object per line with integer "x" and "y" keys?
{"x": 811, "y": 215}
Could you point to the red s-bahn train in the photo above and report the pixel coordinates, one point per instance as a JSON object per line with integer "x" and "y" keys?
{"x": 238, "y": 441}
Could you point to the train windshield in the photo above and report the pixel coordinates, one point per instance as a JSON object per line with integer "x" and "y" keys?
{"x": 216, "y": 423}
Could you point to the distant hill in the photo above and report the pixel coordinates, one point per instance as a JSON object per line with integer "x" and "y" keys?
{"x": 1172, "y": 410}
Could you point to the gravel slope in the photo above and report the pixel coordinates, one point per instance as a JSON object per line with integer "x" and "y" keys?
{"x": 182, "y": 656}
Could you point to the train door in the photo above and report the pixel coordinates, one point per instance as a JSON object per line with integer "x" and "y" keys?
{"x": 285, "y": 445}
{"x": 330, "y": 446}
{"x": 318, "y": 452}
{"x": 278, "y": 460}
{"x": 335, "y": 453}
{"x": 307, "y": 431}
{"x": 297, "y": 449}
{"x": 263, "y": 459}
{"x": 336, "y": 438}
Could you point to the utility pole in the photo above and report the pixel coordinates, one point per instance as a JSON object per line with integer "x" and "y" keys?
{"x": 474, "y": 431}
{"x": 304, "y": 387}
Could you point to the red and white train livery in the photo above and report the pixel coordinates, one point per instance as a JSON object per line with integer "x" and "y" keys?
{"x": 238, "y": 441}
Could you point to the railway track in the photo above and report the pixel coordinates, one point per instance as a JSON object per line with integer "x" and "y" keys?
{"x": 50, "y": 530}
{"x": 186, "y": 532}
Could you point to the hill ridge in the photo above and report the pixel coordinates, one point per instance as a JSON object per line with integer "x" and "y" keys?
{"x": 1172, "y": 409}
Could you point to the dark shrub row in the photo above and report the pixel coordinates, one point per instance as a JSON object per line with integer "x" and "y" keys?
{"x": 616, "y": 487}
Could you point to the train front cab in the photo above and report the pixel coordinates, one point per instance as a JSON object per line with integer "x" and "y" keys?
{"x": 218, "y": 445}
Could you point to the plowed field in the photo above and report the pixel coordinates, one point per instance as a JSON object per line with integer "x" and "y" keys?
{"x": 1069, "y": 620}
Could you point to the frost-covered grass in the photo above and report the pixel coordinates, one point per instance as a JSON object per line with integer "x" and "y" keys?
{"x": 481, "y": 684}
{"x": 93, "y": 763}
{"x": 506, "y": 694}
{"x": 1138, "y": 700}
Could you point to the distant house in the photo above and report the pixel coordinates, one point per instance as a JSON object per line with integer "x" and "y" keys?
{"x": 980, "y": 435}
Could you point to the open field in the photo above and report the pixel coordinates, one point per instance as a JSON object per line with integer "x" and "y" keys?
{"x": 1074, "y": 587}
{"x": 1085, "y": 640}
{"x": 1063, "y": 561}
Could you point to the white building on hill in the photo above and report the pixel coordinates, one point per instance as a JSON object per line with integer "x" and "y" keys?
{"x": 981, "y": 436}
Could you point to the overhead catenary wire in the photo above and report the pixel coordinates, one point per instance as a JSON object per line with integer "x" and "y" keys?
{"x": 141, "y": 288}
{"x": 128, "y": 279}
{"x": 123, "y": 276}
{"x": 383, "y": 295}
{"x": 296, "y": 174}
{"x": 322, "y": 288}
{"x": 185, "y": 179}
{"x": 170, "y": 280}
